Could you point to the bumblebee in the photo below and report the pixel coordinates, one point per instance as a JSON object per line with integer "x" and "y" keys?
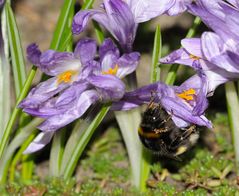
{"x": 159, "y": 133}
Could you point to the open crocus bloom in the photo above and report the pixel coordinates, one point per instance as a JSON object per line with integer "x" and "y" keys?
{"x": 79, "y": 81}
{"x": 185, "y": 103}
{"x": 209, "y": 55}
{"x": 121, "y": 18}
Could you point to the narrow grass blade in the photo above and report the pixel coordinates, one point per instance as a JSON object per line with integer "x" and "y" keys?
{"x": 87, "y": 4}
{"x": 17, "y": 141}
{"x": 5, "y": 85}
{"x": 233, "y": 114}
{"x": 27, "y": 167}
{"x": 155, "y": 69}
{"x": 63, "y": 29}
{"x": 171, "y": 77}
{"x": 78, "y": 141}
{"x": 17, "y": 57}
{"x": 16, "y": 111}
{"x": 98, "y": 31}
{"x": 18, "y": 155}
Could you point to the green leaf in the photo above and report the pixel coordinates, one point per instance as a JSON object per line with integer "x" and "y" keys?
{"x": 155, "y": 69}
{"x": 5, "y": 85}
{"x": 16, "y": 110}
{"x": 78, "y": 141}
{"x": 17, "y": 141}
{"x": 87, "y": 4}
{"x": 63, "y": 27}
{"x": 233, "y": 114}
{"x": 17, "y": 57}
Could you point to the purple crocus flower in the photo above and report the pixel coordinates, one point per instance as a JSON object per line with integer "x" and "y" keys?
{"x": 79, "y": 81}
{"x": 121, "y": 18}
{"x": 185, "y": 103}
{"x": 210, "y": 55}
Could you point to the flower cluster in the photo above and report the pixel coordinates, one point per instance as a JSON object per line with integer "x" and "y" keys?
{"x": 215, "y": 54}
{"x": 83, "y": 78}
{"x": 79, "y": 81}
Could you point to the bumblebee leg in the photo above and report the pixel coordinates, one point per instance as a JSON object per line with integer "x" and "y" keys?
{"x": 189, "y": 131}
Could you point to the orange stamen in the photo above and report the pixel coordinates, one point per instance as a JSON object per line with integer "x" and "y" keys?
{"x": 194, "y": 57}
{"x": 111, "y": 71}
{"x": 66, "y": 76}
{"x": 187, "y": 95}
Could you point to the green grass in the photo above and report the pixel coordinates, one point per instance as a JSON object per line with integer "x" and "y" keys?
{"x": 104, "y": 169}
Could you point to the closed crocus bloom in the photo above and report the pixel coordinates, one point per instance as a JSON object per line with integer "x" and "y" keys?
{"x": 185, "y": 103}
{"x": 95, "y": 81}
{"x": 121, "y": 18}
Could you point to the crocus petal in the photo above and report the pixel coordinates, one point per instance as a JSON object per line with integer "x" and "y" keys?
{"x": 109, "y": 61}
{"x": 184, "y": 111}
{"x": 235, "y": 3}
{"x": 117, "y": 19}
{"x": 139, "y": 97}
{"x": 199, "y": 83}
{"x": 180, "y": 56}
{"x": 42, "y": 92}
{"x": 213, "y": 50}
{"x": 85, "y": 50}
{"x": 109, "y": 87}
{"x": 193, "y": 46}
{"x": 178, "y": 7}
{"x": 53, "y": 63}
{"x": 212, "y": 45}
{"x": 33, "y": 54}
{"x": 121, "y": 22}
{"x": 60, "y": 104}
{"x": 41, "y": 140}
{"x": 214, "y": 14}
{"x": 144, "y": 10}
{"x": 2, "y": 3}
{"x": 81, "y": 19}
{"x": 233, "y": 24}
{"x": 127, "y": 64}
{"x": 74, "y": 112}
{"x": 107, "y": 47}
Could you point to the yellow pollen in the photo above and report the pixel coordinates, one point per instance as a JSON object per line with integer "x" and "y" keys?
{"x": 187, "y": 95}
{"x": 111, "y": 71}
{"x": 66, "y": 76}
{"x": 194, "y": 57}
